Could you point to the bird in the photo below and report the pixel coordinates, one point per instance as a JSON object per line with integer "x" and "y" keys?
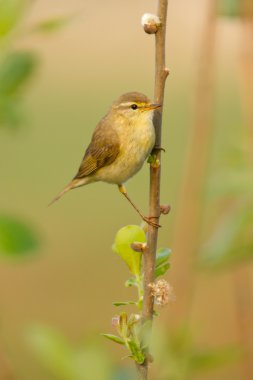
{"x": 120, "y": 144}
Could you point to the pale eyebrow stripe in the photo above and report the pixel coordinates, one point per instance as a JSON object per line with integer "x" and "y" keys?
{"x": 127, "y": 104}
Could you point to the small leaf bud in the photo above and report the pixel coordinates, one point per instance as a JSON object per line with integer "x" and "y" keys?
{"x": 150, "y": 23}
{"x": 165, "y": 209}
{"x": 139, "y": 247}
{"x": 167, "y": 71}
{"x": 115, "y": 321}
{"x": 137, "y": 317}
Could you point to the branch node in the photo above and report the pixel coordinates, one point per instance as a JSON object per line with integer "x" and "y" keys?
{"x": 149, "y": 358}
{"x": 166, "y": 72}
{"x": 139, "y": 247}
{"x": 150, "y": 23}
{"x": 165, "y": 209}
{"x": 156, "y": 164}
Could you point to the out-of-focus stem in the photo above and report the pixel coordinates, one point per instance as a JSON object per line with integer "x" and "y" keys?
{"x": 188, "y": 219}
{"x": 242, "y": 283}
{"x": 6, "y": 372}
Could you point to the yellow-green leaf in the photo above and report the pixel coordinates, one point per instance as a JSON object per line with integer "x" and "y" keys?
{"x": 114, "y": 338}
{"x": 122, "y": 246}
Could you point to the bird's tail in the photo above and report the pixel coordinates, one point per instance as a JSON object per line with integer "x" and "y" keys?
{"x": 74, "y": 183}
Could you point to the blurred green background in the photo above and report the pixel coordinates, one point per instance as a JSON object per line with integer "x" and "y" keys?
{"x": 75, "y": 59}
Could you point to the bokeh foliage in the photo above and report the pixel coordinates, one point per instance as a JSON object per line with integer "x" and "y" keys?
{"x": 178, "y": 357}
{"x": 229, "y": 8}
{"x": 17, "y": 239}
{"x": 16, "y": 68}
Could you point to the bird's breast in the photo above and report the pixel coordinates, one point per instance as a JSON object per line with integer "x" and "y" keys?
{"x": 136, "y": 143}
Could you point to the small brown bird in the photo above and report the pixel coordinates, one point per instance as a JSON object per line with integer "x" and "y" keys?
{"x": 120, "y": 144}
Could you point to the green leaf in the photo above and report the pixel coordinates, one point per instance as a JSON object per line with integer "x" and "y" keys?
{"x": 124, "y": 303}
{"x": 161, "y": 270}
{"x": 162, "y": 256}
{"x": 16, "y": 238}
{"x": 123, "y": 327}
{"x": 139, "y": 304}
{"x": 161, "y": 264}
{"x": 15, "y": 70}
{"x": 131, "y": 282}
{"x": 229, "y": 8}
{"x": 114, "y": 338}
{"x": 11, "y": 12}
{"x": 232, "y": 241}
{"x": 122, "y": 246}
{"x": 136, "y": 351}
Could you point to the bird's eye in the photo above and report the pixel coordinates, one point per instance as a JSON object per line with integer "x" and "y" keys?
{"x": 134, "y": 106}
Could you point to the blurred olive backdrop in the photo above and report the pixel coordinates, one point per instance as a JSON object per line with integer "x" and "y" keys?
{"x": 99, "y": 54}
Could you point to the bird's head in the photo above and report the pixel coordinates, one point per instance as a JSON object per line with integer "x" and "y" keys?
{"x": 134, "y": 106}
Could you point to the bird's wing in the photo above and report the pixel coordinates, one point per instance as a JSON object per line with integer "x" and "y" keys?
{"x": 102, "y": 151}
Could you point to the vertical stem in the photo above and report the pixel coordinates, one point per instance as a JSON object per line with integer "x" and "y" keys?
{"x": 155, "y": 171}
{"x": 161, "y": 74}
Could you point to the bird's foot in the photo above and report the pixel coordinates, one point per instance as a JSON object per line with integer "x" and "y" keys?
{"x": 156, "y": 147}
{"x": 148, "y": 220}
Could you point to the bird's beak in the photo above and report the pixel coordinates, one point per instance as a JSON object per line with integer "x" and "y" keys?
{"x": 152, "y": 106}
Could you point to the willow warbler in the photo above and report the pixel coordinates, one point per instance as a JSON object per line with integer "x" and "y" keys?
{"x": 120, "y": 144}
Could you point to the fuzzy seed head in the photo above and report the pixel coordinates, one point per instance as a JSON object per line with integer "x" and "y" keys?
{"x": 162, "y": 292}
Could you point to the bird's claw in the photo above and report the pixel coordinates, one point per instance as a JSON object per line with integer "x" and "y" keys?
{"x": 159, "y": 148}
